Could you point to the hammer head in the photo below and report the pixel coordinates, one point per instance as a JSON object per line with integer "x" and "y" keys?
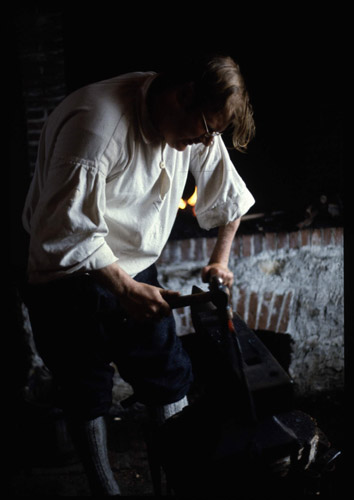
{"x": 220, "y": 295}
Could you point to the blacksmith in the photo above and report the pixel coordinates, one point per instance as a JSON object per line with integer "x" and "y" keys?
{"x": 112, "y": 165}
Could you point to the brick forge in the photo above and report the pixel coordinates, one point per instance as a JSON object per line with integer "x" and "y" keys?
{"x": 270, "y": 309}
{"x": 285, "y": 283}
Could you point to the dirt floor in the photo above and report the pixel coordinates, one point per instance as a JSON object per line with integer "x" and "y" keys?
{"x": 43, "y": 462}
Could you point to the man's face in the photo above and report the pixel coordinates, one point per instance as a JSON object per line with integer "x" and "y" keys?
{"x": 187, "y": 127}
{"x": 180, "y": 123}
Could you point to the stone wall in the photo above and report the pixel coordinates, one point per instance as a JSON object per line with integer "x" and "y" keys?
{"x": 284, "y": 282}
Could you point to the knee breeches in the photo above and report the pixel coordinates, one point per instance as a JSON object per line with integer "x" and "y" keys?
{"x": 80, "y": 329}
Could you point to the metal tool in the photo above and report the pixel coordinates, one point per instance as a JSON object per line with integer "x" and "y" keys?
{"x": 242, "y": 419}
{"x": 218, "y": 294}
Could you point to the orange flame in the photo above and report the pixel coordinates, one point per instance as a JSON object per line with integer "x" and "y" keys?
{"x": 182, "y": 204}
{"x": 192, "y": 200}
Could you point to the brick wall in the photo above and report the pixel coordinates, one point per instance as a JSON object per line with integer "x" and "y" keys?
{"x": 284, "y": 282}
{"x": 271, "y": 309}
{"x": 40, "y": 49}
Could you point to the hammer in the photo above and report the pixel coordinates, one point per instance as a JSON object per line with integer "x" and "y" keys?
{"x": 218, "y": 294}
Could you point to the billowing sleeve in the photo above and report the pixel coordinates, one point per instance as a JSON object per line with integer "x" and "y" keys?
{"x": 67, "y": 225}
{"x": 222, "y": 194}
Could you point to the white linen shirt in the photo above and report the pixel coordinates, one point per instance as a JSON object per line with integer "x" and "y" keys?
{"x": 105, "y": 189}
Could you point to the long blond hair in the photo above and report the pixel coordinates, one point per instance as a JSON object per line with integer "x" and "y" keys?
{"x": 222, "y": 89}
{"x": 219, "y": 87}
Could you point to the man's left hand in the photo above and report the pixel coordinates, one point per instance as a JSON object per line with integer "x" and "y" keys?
{"x": 220, "y": 270}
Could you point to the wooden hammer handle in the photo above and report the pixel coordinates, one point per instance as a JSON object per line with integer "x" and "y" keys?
{"x": 189, "y": 300}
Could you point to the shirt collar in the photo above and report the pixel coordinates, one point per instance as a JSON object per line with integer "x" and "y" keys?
{"x": 148, "y": 132}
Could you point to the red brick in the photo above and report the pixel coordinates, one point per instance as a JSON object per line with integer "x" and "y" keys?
{"x": 327, "y": 236}
{"x": 294, "y": 239}
{"x": 270, "y": 242}
{"x": 305, "y": 237}
{"x": 180, "y": 311}
{"x": 240, "y": 307}
{"x": 264, "y": 312}
{"x": 175, "y": 252}
{"x": 283, "y": 323}
{"x": 165, "y": 255}
{"x": 35, "y": 124}
{"x": 197, "y": 253}
{"x": 252, "y": 310}
{"x": 338, "y": 236}
{"x": 316, "y": 237}
{"x": 185, "y": 247}
{"x": 183, "y": 316}
{"x": 257, "y": 243}
{"x": 275, "y": 312}
{"x": 282, "y": 240}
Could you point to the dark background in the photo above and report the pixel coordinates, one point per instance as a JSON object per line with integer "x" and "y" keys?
{"x": 292, "y": 61}
{"x": 292, "y": 57}
{"x": 293, "y": 68}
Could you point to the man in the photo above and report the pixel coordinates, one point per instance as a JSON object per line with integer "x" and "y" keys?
{"x": 112, "y": 165}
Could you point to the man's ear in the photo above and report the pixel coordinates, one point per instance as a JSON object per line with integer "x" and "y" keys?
{"x": 185, "y": 95}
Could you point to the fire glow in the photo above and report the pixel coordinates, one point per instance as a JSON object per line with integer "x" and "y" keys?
{"x": 191, "y": 201}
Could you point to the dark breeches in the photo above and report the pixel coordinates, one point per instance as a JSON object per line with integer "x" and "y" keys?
{"x": 79, "y": 328}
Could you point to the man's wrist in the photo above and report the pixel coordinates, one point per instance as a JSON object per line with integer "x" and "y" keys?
{"x": 114, "y": 278}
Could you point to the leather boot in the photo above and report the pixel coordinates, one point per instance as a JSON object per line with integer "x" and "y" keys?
{"x": 90, "y": 439}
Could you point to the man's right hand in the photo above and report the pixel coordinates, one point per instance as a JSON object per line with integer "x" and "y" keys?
{"x": 142, "y": 301}
{"x": 146, "y": 302}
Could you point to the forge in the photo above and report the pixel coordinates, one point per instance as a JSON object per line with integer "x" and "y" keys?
{"x": 242, "y": 432}
{"x": 289, "y": 279}
{"x": 287, "y": 257}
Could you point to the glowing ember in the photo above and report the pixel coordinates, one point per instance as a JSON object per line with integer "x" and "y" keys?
{"x": 182, "y": 204}
{"x": 191, "y": 201}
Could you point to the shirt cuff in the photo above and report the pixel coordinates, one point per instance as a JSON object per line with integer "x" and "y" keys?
{"x": 224, "y": 212}
{"x": 102, "y": 257}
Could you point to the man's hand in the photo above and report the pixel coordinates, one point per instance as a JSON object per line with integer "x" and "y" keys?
{"x": 140, "y": 300}
{"x": 218, "y": 263}
{"x": 220, "y": 270}
{"x": 146, "y": 302}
